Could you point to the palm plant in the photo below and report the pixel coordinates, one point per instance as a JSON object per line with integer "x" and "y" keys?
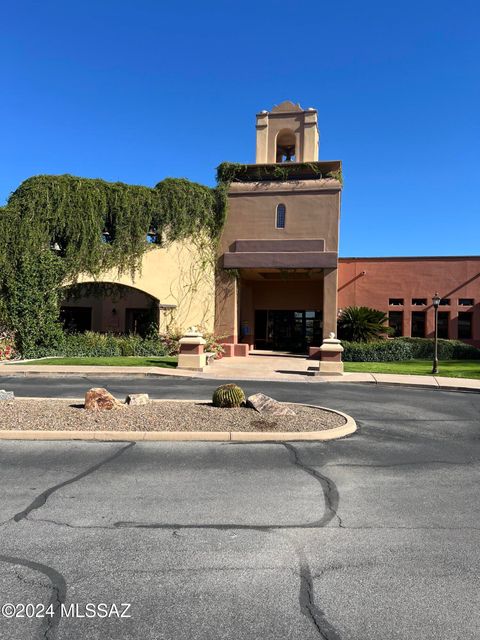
{"x": 362, "y": 324}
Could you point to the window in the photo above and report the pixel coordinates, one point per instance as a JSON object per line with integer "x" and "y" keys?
{"x": 106, "y": 236}
{"x": 76, "y": 319}
{"x": 465, "y": 325}
{"x": 281, "y": 214}
{"x": 465, "y": 302}
{"x": 395, "y": 322}
{"x": 419, "y": 302}
{"x": 418, "y": 324}
{"x": 152, "y": 236}
{"x": 445, "y": 302}
{"x": 395, "y": 301}
{"x": 443, "y": 319}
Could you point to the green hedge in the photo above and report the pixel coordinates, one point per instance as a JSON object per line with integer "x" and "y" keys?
{"x": 93, "y": 345}
{"x": 398, "y": 349}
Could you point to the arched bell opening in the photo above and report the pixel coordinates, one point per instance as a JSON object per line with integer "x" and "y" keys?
{"x": 286, "y": 146}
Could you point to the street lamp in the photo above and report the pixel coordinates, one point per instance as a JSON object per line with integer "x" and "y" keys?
{"x": 436, "y": 302}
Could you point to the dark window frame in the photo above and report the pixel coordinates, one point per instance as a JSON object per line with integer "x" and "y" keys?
{"x": 280, "y": 216}
{"x": 397, "y": 325}
{"x": 444, "y": 327}
{"x": 461, "y": 333}
{"x": 421, "y": 317}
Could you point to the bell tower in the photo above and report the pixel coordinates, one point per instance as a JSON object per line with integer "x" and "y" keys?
{"x": 287, "y": 133}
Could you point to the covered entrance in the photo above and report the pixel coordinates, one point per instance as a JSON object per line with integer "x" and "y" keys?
{"x": 281, "y": 310}
{"x": 286, "y": 330}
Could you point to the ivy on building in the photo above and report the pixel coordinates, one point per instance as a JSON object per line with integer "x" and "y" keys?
{"x": 228, "y": 172}
{"x": 55, "y": 228}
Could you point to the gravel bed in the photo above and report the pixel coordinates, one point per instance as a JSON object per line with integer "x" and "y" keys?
{"x": 158, "y": 416}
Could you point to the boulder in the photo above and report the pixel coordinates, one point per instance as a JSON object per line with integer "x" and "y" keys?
{"x": 268, "y": 406}
{"x": 137, "y": 399}
{"x": 99, "y": 399}
{"x": 6, "y": 396}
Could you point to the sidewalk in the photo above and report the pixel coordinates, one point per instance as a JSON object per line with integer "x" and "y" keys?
{"x": 255, "y": 367}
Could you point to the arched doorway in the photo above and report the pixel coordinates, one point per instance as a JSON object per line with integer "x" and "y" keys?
{"x": 108, "y": 307}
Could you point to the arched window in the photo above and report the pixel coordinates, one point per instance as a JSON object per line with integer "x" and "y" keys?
{"x": 280, "y": 217}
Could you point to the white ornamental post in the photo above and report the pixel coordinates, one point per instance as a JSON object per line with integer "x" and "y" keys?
{"x": 191, "y": 355}
{"x": 330, "y": 357}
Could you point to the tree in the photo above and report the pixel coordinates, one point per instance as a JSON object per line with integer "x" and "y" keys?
{"x": 362, "y": 324}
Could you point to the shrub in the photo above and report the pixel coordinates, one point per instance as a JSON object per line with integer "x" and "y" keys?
{"x": 228, "y": 396}
{"x": 92, "y": 345}
{"x": 31, "y": 288}
{"x": 7, "y": 344}
{"x": 171, "y": 340}
{"x": 213, "y": 344}
{"x": 362, "y": 324}
{"x": 376, "y": 351}
{"x": 399, "y": 349}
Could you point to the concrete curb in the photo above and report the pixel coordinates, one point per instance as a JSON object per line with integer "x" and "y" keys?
{"x": 431, "y": 382}
{"x": 346, "y": 429}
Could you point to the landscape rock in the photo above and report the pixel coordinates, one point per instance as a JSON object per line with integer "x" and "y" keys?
{"x": 6, "y": 396}
{"x": 99, "y": 399}
{"x": 137, "y": 399}
{"x": 266, "y": 405}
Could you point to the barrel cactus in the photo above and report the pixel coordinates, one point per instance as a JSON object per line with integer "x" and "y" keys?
{"x": 228, "y": 395}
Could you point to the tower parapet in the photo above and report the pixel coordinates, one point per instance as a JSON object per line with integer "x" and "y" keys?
{"x": 287, "y": 133}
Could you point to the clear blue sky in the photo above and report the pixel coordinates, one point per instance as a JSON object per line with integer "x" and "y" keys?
{"x": 137, "y": 91}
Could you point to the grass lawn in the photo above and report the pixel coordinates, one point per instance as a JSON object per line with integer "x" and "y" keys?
{"x": 448, "y": 368}
{"x": 119, "y": 361}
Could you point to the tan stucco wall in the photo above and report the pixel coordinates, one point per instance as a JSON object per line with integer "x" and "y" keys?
{"x": 181, "y": 274}
{"x": 312, "y": 211}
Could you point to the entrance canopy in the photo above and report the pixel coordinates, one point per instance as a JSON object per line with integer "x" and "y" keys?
{"x": 280, "y": 254}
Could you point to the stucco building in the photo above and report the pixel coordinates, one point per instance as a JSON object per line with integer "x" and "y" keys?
{"x": 278, "y": 282}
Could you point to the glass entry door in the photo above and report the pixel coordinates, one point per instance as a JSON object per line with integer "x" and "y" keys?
{"x": 287, "y": 330}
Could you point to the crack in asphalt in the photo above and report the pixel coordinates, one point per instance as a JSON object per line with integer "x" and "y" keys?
{"x": 47, "y": 630}
{"x": 307, "y": 601}
{"x": 268, "y": 528}
{"x": 402, "y": 464}
{"x": 329, "y": 489}
{"x": 307, "y": 593}
{"x": 41, "y": 499}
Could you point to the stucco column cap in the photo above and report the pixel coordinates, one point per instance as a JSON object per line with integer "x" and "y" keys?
{"x": 192, "y": 340}
{"x": 192, "y": 336}
{"x": 331, "y": 344}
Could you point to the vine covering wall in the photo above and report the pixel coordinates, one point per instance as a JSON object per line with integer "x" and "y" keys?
{"x": 53, "y": 229}
{"x": 228, "y": 172}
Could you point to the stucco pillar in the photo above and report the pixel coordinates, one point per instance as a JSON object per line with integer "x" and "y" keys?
{"x": 330, "y": 289}
{"x": 262, "y": 138}
{"x": 330, "y": 357}
{"x": 226, "y": 306}
{"x": 191, "y": 355}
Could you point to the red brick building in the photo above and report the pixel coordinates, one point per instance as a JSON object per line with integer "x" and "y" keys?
{"x": 403, "y": 288}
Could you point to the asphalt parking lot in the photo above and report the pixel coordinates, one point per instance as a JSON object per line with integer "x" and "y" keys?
{"x": 373, "y": 537}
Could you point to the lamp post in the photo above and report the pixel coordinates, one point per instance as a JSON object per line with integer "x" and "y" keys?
{"x": 436, "y": 302}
